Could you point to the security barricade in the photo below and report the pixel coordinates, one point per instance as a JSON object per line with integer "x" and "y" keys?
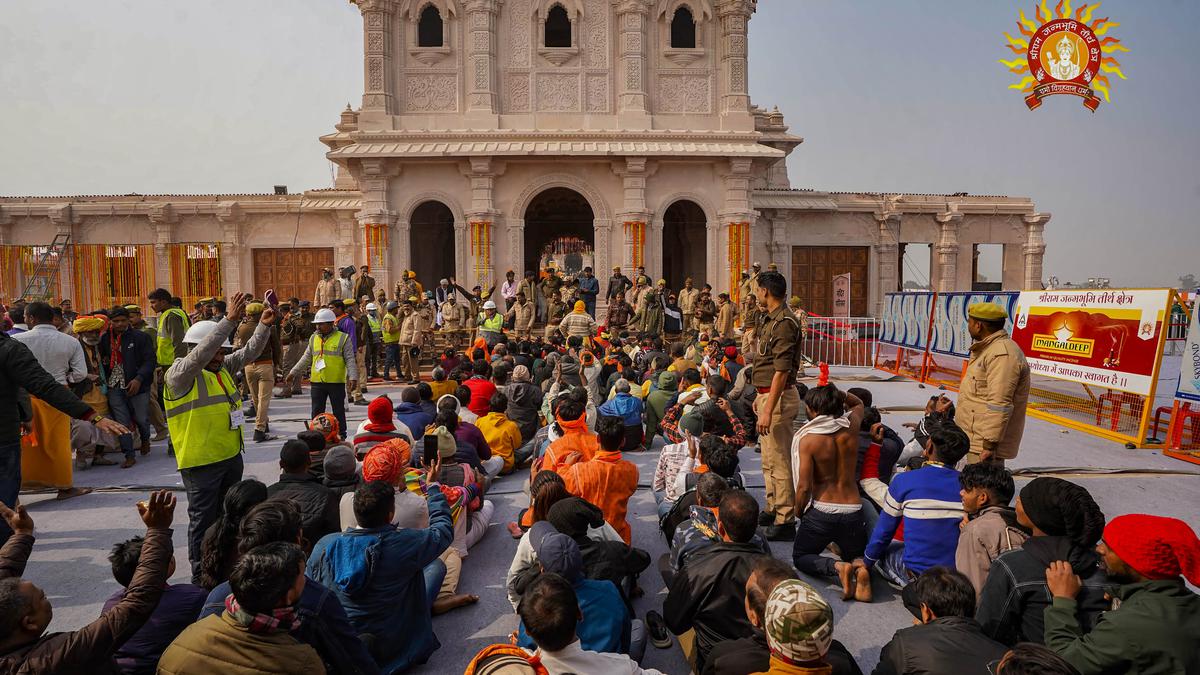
{"x": 845, "y": 341}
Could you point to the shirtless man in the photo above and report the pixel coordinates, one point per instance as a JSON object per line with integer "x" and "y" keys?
{"x": 825, "y": 453}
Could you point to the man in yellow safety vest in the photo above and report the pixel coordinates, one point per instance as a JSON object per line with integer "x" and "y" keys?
{"x": 204, "y": 415}
{"x": 330, "y": 352}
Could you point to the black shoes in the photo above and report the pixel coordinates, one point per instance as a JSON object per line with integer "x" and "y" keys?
{"x": 766, "y": 518}
{"x": 785, "y": 532}
{"x": 656, "y": 628}
{"x": 262, "y": 436}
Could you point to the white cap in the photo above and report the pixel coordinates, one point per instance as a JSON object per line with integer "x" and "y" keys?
{"x": 324, "y": 315}
{"x": 201, "y": 330}
{"x": 489, "y": 305}
{"x": 372, "y": 307}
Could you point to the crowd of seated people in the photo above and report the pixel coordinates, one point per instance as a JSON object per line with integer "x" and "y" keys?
{"x": 341, "y": 563}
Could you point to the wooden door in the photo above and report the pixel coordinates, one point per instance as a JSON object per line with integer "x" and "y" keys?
{"x": 290, "y": 271}
{"x": 813, "y": 269}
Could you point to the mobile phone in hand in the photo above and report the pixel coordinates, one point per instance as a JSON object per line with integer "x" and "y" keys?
{"x": 430, "y": 452}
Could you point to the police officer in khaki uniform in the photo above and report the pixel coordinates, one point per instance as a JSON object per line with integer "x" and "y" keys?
{"x": 454, "y": 320}
{"x": 410, "y": 333}
{"x": 521, "y": 315}
{"x": 994, "y": 389}
{"x": 776, "y": 361}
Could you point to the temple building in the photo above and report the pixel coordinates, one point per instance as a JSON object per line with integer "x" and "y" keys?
{"x": 506, "y": 134}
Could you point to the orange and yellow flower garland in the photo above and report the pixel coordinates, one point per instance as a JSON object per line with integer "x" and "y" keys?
{"x": 739, "y": 256}
{"x": 635, "y": 231}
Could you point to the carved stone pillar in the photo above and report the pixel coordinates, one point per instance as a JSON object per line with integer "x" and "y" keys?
{"x": 481, "y": 56}
{"x": 6, "y": 226}
{"x": 1034, "y": 250}
{"x": 378, "y": 60}
{"x": 402, "y": 245}
{"x": 631, "y": 21}
{"x": 482, "y": 220}
{"x": 736, "y": 208}
{"x": 232, "y": 218}
{"x": 735, "y": 90}
{"x": 887, "y": 252}
{"x": 162, "y": 219}
{"x": 516, "y": 246}
{"x": 374, "y": 179}
{"x": 947, "y": 250}
{"x": 633, "y": 172}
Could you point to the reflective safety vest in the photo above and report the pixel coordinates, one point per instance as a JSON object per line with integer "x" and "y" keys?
{"x": 165, "y": 352}
{"x": 376, "y": 325}
{"x": 492, "y": 325}
{"x": 389, "y": 337}
{"x": 330, "y": 349}
{"x": 198, "y": 419}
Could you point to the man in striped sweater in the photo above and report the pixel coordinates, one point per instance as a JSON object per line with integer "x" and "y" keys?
{"x": 927, "y": 501}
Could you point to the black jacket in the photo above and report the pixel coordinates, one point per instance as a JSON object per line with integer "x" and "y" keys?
{"x": 340, "y": 487}
{"x": 1015, "y": 594}
{"x": 951, "y": 645}
{"x": 21, "y": 375}
{"x": 137, "y": 354}
{"x": 750, "y": 655}
{"x": 709, "y": 595}
{"x": 318, "y": 504}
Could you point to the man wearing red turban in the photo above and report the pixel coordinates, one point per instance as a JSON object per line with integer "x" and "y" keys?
{"x": 1156, "y": 619}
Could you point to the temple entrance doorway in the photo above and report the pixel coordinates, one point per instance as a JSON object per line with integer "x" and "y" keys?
{"x": 431, "y": 244}
{"x": 559, "y": 233}
{"x": 684, "y": 245}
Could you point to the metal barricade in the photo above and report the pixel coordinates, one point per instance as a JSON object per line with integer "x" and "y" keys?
{"x": 845, "y": 341}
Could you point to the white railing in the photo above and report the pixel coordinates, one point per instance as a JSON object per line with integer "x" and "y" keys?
{"x": 842, "y": 341}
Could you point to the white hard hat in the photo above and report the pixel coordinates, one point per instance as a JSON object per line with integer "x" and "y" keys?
{"x": 200, "y": 330}
{"x": 324, "y": 315}
{"x": 372, "y": 307}
{"x": 489, "y": 305}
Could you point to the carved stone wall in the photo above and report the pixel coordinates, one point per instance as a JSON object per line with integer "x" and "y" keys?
{"x": 558, "y": 92}
{"x": 685, "y": 92}
{"x": 431, "y": 92}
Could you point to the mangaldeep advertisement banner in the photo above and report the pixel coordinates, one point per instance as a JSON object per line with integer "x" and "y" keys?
{"x": 906, "y": 320}
{"x": 1189, "y": 370}
{"x": 1099, "y": 337}
{"x": 950, "y": 334}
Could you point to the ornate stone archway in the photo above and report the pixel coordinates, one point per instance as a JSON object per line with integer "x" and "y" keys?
{"x": 601, "y": 216}
{"x": 404, "y": 232}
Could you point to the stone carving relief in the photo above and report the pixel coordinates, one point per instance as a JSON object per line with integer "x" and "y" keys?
{"x": 432, "y": 93}
{"x": 375, "y": 20}
{"x": 597, "y": 93}
{"x": 375, "y": 41}
{"x": 595, "y": 33}
{"x": 375, "y": 73}
{"x": 684, "y": 93}
{"x": 481, "y": 73}
{"x": 519, "y": 24}
{"x": 557, "y": 93}
{"x": 633, "y": 76}
{"x": 516, "y": 93}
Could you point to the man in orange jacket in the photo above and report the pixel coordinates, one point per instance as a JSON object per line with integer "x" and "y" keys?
{"x": 606, "y": 480}
{"x": 576, "y": 438}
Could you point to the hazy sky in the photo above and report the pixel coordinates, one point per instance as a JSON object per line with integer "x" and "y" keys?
{"x": 890, "y": 95}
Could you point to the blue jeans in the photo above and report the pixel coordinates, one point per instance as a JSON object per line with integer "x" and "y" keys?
{"x": 664, "y": 505}
{"x": 10, "y": 481}
{"x": 435, "y": 574}
{"x": 130, "y": 411}
{"x": 891, "y": 566}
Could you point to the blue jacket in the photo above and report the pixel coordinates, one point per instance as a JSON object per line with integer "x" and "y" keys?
{"x": 589, "y": 288}
{"x": 414, "y": 417}
{"x": 176, "y": 611}
{"x": 606, "y": 625}
{"x": 626, "y": 406}
{"x": 323, "y": 625}
{"x": 377, "y": 574}
{"x": 137, "y": 354}
{"x": 929, "y": 502}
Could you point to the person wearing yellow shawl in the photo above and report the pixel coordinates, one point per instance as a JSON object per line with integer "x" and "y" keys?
{"x": 578, "y": 323}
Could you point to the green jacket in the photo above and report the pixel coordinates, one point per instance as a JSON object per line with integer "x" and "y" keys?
{"x": 1152, "y": 631}
{"x": 657, "y": 401}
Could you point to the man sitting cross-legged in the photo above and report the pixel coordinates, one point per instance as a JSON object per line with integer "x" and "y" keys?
{"x": 254, "y": 632}
{"x": 606, "y": 480}
{"x": 25, "y": 611}
{"x": 386, "y": 578}
{"x": 708, "y": 595}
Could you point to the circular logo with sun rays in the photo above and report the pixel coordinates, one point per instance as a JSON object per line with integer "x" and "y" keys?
{"x": 1068, "y": 53}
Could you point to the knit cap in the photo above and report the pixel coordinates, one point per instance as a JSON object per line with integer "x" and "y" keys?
{"x": 339, "y": 463}
{"x": 799, "y": 623}
{"x": 1155, "y": 547}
